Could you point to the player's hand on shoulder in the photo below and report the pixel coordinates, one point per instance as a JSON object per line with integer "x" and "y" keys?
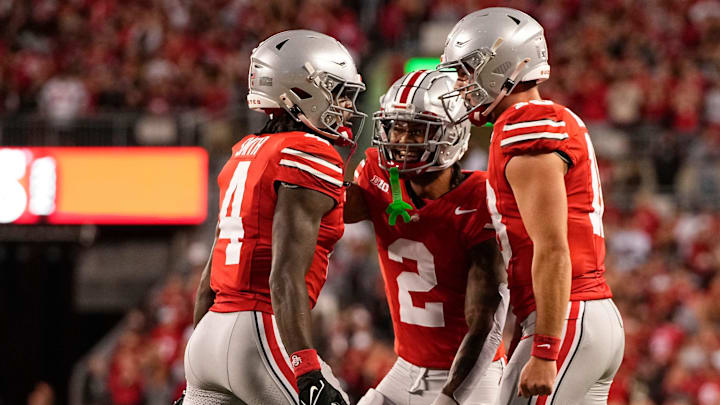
{"x": 316, "y": 390}
{"x": 444, "y": 399}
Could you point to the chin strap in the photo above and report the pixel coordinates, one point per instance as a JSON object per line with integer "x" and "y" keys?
{"x": 397, "y": 207}
{"x": 507, "y": 86}
{"x": 301, "y": 116}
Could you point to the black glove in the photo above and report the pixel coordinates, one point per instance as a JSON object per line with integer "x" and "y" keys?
{"x": 316, "y": 390}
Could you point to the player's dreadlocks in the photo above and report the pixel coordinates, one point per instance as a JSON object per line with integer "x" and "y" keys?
{"x": 281, "y": 121}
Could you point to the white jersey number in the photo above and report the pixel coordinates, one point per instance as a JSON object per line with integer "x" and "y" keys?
{"x": 231, "y": 226}
{"x": 422, "y": 281}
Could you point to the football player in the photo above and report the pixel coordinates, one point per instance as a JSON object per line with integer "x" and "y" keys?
{"x": 281, "y": 199}
{"x": 544, "y": 194}
{"x": 442, "y": 270}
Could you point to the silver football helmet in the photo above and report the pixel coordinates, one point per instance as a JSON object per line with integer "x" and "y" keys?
{"x": 312, "y": 77}
{"x": 494, "y": 48}
{"x": 413, "y": 104}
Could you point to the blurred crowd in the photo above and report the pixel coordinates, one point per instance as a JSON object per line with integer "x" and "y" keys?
{"x": 69, "y": 58}
{"x": 145, "y": 365}
{"x": 645, "y": 76}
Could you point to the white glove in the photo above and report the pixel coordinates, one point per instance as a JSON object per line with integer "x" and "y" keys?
{"x": 443, "y": 399}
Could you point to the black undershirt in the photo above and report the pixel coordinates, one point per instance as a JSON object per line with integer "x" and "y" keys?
{"x": 458, "y": 176}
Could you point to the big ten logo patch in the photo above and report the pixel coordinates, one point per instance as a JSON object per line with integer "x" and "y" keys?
{"x": 380, "y": 183}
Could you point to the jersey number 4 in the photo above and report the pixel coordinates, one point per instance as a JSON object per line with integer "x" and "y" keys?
{"x": 422, "y": 281}
{"x": 231, "y": 226}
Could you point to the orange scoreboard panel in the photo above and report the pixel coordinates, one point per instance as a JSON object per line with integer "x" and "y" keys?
{"x": 103, "y": 185}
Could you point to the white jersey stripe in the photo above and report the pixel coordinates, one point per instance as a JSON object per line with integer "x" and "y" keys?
{"x": 317, "y": 138}
{"x": 358, "y": 168}
{"x": 500, "y": 229}
{"x": 580, "y": 122}
{"x": 529, "y": 124}
{"x": 314, "y": 172}
{"x": 534, "y": 135}
{"x": 312, "y": 158}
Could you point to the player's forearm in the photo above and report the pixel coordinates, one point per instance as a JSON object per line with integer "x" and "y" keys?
{"x": 481, "y": 342}
{"x": 296, "y": 224}
{"x": 291, "y": 306}
{"x": 551, "y": 276}
{"x": 469, "y": 351}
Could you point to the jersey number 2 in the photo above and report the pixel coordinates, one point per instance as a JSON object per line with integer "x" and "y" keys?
{"x": 423, "y": 281}
{"x": 231, "y": 226}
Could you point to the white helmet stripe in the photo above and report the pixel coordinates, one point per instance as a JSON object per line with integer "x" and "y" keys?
{"x": 419, "y": 84}
{"x": 410, "y": 86}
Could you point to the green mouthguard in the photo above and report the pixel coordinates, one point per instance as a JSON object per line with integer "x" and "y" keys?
{"x": 397, "y": 207}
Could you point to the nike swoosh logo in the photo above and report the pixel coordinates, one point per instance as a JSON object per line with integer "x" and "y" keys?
{"x": 544, "y": 345}
{"x": 314, "y": 397}
{"x": 458, "y": 211}
{"x": 461, "y": 43}
{"x": 339, "y": 63}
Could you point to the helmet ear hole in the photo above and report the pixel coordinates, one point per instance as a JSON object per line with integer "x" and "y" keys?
{"x": 300, "y": 93}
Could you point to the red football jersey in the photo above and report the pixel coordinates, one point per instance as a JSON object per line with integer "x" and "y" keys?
{"x": 243, "y": 253}
{"x": 542, "y": 126}
{"x": 425, "y": 262}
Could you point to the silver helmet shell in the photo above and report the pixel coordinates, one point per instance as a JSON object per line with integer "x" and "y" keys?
{"x": 309, "y": 75}
{"x": 415, "y": 99}
{"x": 496, "y": 48}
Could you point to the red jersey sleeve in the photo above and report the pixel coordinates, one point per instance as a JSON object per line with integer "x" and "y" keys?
{"x": 311, "y": 162}
{"x": 536, "y": 129}
{"x": 478, "y": 231}
{"x": 478, "y": 228}
{"x": 362, "y": 171}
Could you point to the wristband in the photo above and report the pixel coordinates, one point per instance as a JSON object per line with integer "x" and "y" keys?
{"x": 546, "y": 347}
{"x": 304, "y": 361}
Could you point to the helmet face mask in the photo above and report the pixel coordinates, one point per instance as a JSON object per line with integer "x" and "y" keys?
{"x": 473, "y": 95}
{"x": 342, "y": 111}
{"x": 412, "y": 129}
{"x": 423, "y": 133}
